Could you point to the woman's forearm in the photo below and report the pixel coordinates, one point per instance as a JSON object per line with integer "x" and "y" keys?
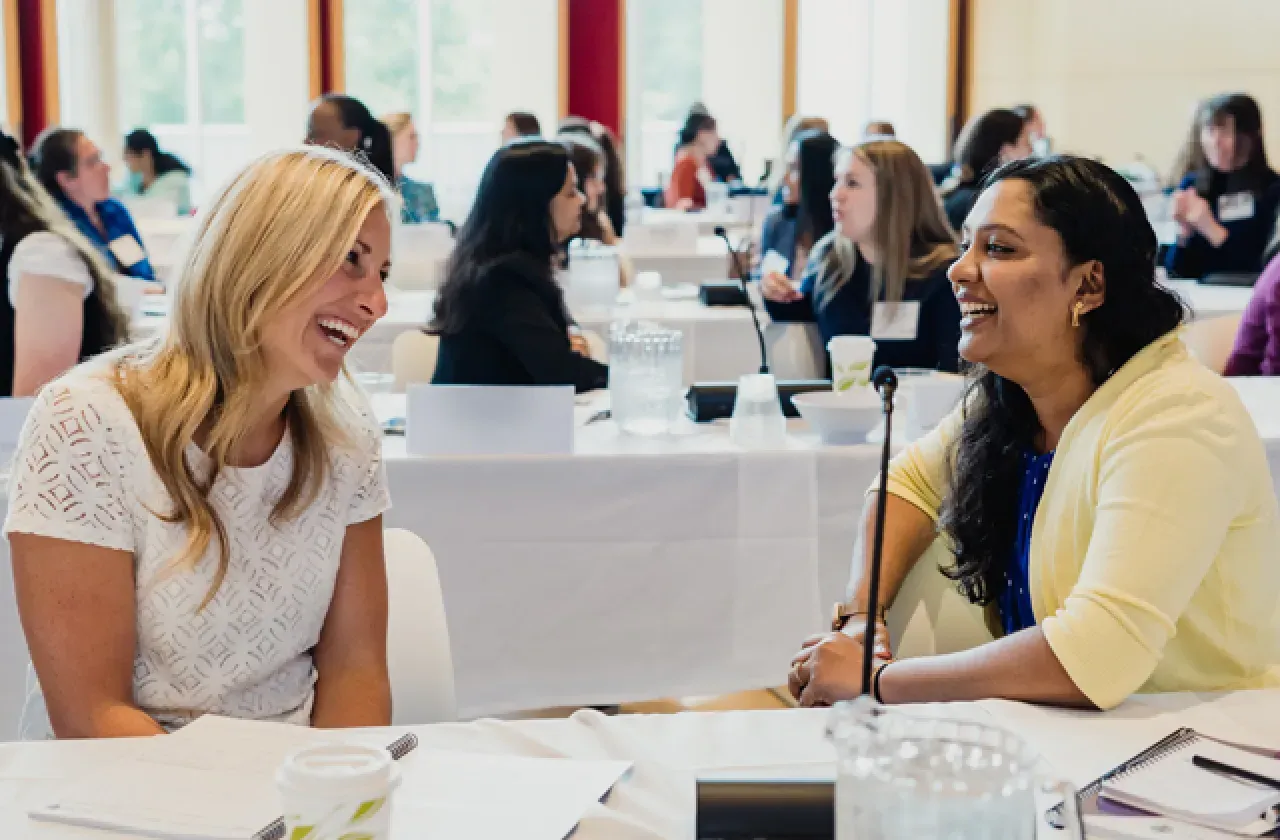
{"x": 908, "y": 533}
{"x": 1021, "y": 666}
{"x": 111, "y": 720}
{"x": 354, "y": 697}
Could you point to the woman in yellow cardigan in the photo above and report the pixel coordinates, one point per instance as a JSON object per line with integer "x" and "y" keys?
{"x": 1104, "y": 493}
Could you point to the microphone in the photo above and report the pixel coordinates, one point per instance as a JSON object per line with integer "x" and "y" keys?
{"x": 746, "y": 297}
{"x": 885, "y": 381}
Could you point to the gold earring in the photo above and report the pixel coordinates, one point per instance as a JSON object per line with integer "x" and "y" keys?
{"x": 1075, "y": 313}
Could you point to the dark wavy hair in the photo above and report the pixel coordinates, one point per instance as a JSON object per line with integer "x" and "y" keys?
{"x": 140, "y": 140}
{"x": 1246, "y": 117}
{"x": 525, "y": 124}
{"x": 977, "y": 149}
{"x": 1099, "y": 217}
{"x": 696, "y": 121}
{"x": 375, "y": 138}
{"x": 816, "y": 155}
{"x": 615, "y": 177}
{"x": 510, "y": 221}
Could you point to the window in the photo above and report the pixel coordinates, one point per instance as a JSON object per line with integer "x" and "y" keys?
{"x": 862, "y": 60}
{"x": 726, "y": 54}
{"x": 459, "y": 66}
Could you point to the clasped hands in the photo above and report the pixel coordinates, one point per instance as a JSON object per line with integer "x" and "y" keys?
{"x": 828, "y": 668}
{"x": 1193, "y": 213}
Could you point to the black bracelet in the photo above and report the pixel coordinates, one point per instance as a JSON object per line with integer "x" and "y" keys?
{"x": 875, "y": 683}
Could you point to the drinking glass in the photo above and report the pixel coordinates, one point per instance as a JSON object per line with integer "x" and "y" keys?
{"x": 646, "y": 376}
{"x": 902, "y": 777}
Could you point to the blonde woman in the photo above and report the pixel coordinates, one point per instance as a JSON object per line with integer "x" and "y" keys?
{"x": 61, "y": 302}
{"x": 195, "y": 523}
{"x": 883, "y": 270}
{"x": 419, "y": 199}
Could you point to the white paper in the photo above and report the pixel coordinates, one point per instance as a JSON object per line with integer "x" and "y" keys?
{"x": 895, "y": 321}
{"x": 774, "y": 263}
{"x": 490, "y": 420}
{"x": 127, "y": 250}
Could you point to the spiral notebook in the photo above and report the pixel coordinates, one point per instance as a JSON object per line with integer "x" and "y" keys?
{"x": 1161, "y": 793}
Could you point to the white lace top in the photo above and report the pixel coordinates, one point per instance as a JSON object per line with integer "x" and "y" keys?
{"x": 82, "y": 474}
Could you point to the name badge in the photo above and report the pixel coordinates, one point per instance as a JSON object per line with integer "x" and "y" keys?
{"x": 895, "y": 321}
{"x": 1235, "y": 207}
{"x": 127, "y": 251}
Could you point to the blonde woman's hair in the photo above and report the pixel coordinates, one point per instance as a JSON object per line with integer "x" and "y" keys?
{"x": 279, "y": 228}
{"x": 796, "y": 125}
{"x": 33, "y": 206}
{"x": 911, "y": 232}
{"x": 397, "y": 121}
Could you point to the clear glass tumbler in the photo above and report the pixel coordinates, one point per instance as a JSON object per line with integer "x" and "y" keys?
{"x": 646, "y": 377}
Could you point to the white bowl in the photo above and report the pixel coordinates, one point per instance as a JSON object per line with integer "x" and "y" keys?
{"x": 840, "y": 418}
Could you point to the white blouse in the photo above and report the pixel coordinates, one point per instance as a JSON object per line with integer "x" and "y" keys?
{"x": 82, "y": 474}
{"x": 48, "y": 254}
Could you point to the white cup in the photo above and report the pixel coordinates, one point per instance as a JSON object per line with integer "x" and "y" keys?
{"x": 930, "y": 399}
{"x": 648, "y": 286}
{"x": 338, "y": 790}
{"x": 851, "y": 357}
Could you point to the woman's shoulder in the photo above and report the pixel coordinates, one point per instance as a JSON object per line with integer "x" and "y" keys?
{"x": 85, "y": 404}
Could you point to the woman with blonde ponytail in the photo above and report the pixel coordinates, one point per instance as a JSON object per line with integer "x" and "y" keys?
{"x": 196, "y": 522}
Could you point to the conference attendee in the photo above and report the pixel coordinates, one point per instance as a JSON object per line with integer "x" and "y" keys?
{"x": 1257, "y": 346}
{"x": 879, "y": 129}
{"x": 989, "y": 140}
{"x": 1226, "y": 210}
{"x": 589, "y": 166}
{"x": 500, "y": 313}
{"x": 691, "y": 174}
{"x": 720, "y": 163}
{"x": 882, "y": 271}
{"x": 1106, "y": 496}
{"x": 615, "y": 182}
{"x": 154, "y": 173}
{"x": 1037, "y": 131}
{"x": 71, "y": 169}
{"x": 216, "y": 544}
{"x": 796, "y": 125}
{"x": 418, "y": 199}
{"x": 793, "y": 228}
{"x": 61, "y": 302}
{"x": 344, "y": 123}
{"x": 518, "y": 125}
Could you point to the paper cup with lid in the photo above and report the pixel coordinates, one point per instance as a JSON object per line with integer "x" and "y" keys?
{"x": 851, "y": 357}
{"x": 338, "y": 791}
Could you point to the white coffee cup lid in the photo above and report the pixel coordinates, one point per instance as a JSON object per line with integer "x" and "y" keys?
{"x": 338, "y": 771}
{"x": 851, "y": 342}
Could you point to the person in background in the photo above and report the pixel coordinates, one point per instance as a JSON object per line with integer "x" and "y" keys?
{"x": 796, "y": 125}
{"x": 615, "y": 184}
{"x": 1190, "y": 157}
{"x": 1103, "y": 494}
{"x": 989, "y": 140}
{"x": 720, "y": 163}
{"x": 1037, "y": 131}
{"x": 70, "y": 167}
{"x": 154, "y": 173}
{"x": 61, "y": 304}
{"x": 804, "y": 218}
{"x": 418, "y": 199}
{"x": 883, "y": 271}
{"x": 344, "y": 123}
{"x": 699, "y": 139}
{"x": 500, "y": 313}
{"x": 1257, "y": 346}
{"x": 1226, "y": 209}
{"x": 879, "y": 129}
{"x": 589, "y": 164}
{"x": 224, "y": 554}
{"x": 520, "y": 124}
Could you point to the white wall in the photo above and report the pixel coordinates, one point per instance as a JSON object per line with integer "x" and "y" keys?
{"x": 277, "y": 73}
{"x": 1119, "y": 78}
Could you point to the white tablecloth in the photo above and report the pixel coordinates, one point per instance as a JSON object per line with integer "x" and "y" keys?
{"x": 710, "y": 261}
{"x": 657, "y": 798}
{"x": 1211, "y": 301}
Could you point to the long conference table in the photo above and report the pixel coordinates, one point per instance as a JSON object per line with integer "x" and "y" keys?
{"x": 656, "y": 799}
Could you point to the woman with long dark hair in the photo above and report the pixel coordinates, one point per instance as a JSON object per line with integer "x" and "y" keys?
{"x": 699, "y": 139}
{"x": 793, "y": 228}
{"x": 1104, "y": 495}
{"x": 344, "y": 123}
{"x": 1226, "y": 207}
{"x": 154, "y": 173}
{"x": 885, "y": 261}
{"x": 615, "y": 180}
{"x": 60, "y": 307}
{"x": 987, "y": 141}
{"x": 500, "y": 313}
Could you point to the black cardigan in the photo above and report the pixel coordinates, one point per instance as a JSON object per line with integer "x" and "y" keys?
{"x": 515, "y": 331}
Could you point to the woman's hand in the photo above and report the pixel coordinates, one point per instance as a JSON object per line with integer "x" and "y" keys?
{"x": 778, "y": 288}
{"x": 828, "y": 669}
{"x": 579, "y": 345}
{"x": 1194, "y": 213}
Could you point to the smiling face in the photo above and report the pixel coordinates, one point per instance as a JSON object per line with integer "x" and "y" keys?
{"x": 853, "y": 199}
{"x": 307, "y": 341}
{"x": 1017, "y": 289}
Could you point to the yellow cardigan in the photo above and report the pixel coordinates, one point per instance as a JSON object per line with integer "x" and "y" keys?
{"x": 1155, "y": 551}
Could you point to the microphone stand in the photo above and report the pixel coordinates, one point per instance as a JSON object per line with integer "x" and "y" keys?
{"x": 886, "y": 382}
{"x": 746, "y": 296}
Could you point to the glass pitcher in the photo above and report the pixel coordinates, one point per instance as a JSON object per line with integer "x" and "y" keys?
{"x": 901, "y": 776}
{"x": 646, "y": 375}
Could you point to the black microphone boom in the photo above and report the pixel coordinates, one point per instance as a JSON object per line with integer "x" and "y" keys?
{"x": 742, "y": 282}
{"x": 885, "y": 381}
